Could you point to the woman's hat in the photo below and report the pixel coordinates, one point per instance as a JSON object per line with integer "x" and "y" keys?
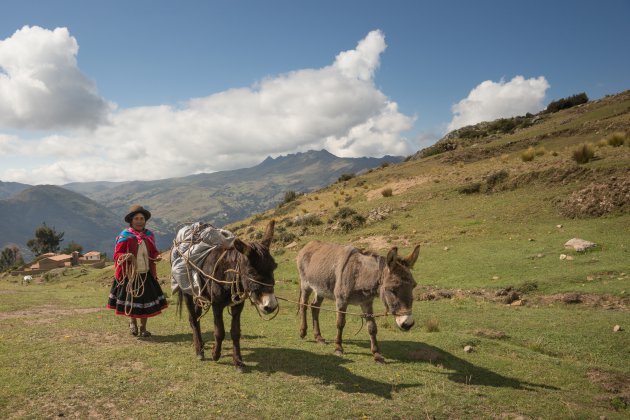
{"x": 137, "y": 209}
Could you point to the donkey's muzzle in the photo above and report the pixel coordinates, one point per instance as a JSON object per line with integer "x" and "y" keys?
{"x": 268, "y": 303}
{"x": 405, "y": 322}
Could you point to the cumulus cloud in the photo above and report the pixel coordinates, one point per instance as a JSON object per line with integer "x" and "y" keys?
{"x": 336, "y": 107}
{"x": 490, "y": 100}
{"x": 41, "y": 86}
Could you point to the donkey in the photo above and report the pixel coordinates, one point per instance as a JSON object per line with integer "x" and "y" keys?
{"x": 350, "y": 276}
{"x": 245, "y": 269}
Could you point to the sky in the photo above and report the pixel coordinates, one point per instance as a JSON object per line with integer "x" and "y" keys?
{"x": 143, "y": 90}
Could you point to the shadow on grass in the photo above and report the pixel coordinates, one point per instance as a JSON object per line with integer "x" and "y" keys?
{"x": 460, "y": 370}
{"x": 329, "y": 369}
{"x": 207, "y": 337}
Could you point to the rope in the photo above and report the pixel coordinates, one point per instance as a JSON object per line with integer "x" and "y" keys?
{"x": 238, "y": 294}
{"x": 135, "y": 280}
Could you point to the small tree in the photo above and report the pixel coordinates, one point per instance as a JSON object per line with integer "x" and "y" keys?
{"x": 10, "y": 257}
{"x": 73, "y": 246}
{"x": 46, "y": 240}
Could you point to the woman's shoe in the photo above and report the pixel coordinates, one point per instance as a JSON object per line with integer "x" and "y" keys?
{"x": 133, "y": 329}
{"x": 145, "y": 333}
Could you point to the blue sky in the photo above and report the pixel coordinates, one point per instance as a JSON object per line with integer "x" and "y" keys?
{"x": 156, "y": 84}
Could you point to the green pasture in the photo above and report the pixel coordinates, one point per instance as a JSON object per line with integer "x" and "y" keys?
{"x": 64, "y": 355}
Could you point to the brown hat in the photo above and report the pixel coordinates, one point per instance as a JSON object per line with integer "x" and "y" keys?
{"x": 137, "y": 209}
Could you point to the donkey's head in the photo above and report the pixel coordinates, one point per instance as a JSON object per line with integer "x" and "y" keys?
{"x": 398, "y": 285}
{"x": 257, "y": 267}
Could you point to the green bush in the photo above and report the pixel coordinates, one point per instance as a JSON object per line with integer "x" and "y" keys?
{"x": 307, "y": 220}
{"x": 288, "y": 197}
{"x": 387, "y": 192}
{"x": 584, "y": 153}
{"x": 345, "y": 177}
{"x": 568, "y": 102}
{"x": 495, "y": 178}
{"x": 473, "y": 188}
{"x": 344, "y": 213}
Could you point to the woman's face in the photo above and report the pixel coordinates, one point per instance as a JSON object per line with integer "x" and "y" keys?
{"x": 138, "y": 222}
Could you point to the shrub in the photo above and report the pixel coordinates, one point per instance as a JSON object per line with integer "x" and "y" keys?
{"x": 285, "y": 237}
{"x": 528, "y": 155}
{"x": 496, "y": 177}
{"x": 584, "y": 153}
{"x": 473, "y": 188}
{"x": 345, "y": 177}
{"x": 307, "y": 220}
{"x": 394, "y": 226}
{"x": 540, "y": 151}
{"x": 336, "y": 203}
{"x": 344, "y": 213}
{"x": 384, "y": 164}
{"x": 288, "y": 197}
{"x": 568, "y": 102}
{"x": 616, "y": 139}
{"x": 387, "y": 192}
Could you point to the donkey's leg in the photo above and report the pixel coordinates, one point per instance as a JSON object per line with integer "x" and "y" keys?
{"x": 235, "y": 333}
{"x": 372, "y": 329}
{"x": 219, "y": 330}
{"x": 315, "y": 314}
{"x": 194, "y": 312}
{"x": 341, "y": 323}
{"x": 305, "y": 292}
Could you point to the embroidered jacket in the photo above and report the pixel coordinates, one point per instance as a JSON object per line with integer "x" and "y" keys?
{"x": 127, "y": 242}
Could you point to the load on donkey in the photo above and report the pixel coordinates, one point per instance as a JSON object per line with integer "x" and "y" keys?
{"x": 211, "y": 269}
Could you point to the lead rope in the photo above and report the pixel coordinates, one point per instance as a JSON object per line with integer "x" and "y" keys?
{"x": 135, "y": 280}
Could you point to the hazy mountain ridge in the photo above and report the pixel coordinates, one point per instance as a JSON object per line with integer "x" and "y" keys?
{"x": 226, "y": 196}
{"x": 82, "y": 220}
{"x": 9, "y": 189}
{"x": 91, "y": 213}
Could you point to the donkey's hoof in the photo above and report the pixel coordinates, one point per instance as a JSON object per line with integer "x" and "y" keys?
{"x": 379, "y": 359}
{"x": 302, "y": 333}
{"x": 339, "y": 352}
{"x": 201, "y": 356}
{"x": 240, "y": 368}
{"x": 320, "y": 340}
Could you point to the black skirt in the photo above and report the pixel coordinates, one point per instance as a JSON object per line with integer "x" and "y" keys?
{"x": 149, "y": 304}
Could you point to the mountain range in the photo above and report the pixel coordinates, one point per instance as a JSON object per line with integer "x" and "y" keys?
{"x": 91, "y": 213}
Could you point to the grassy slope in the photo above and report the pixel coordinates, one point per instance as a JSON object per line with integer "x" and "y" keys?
{"x": 84, "y": 363}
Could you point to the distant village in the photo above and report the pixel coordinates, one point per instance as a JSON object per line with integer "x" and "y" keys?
{"x": 51, "y": 260}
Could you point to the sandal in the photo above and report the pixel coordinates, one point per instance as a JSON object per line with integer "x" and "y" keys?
{"x": 145, "y": 333}
{"x": 133, "y": 329}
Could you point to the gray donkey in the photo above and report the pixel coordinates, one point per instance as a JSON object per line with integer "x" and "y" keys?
{"x": 350, "y": 276}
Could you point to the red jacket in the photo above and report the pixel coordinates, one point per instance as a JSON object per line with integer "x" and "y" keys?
{"x": 128, "y": 242}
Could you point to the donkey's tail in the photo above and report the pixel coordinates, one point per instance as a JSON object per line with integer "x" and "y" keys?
{"x": 180, "y": 300}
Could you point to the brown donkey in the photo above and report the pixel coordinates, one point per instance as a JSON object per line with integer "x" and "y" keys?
{"x": 351, "y": 277}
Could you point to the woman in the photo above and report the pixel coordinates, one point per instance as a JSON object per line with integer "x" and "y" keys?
{"x": 135, "y": 291}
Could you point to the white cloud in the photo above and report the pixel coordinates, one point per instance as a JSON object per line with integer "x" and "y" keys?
{"x": 336, "y": 107}
{"x": 41, "y": 86}
{"x": 489, "y": 101}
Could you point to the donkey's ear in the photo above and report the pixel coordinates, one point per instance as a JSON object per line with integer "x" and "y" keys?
{"x": 411, "y": 258}
{"x": 266, "y": 241}
{"x": 242, "y": 247}
{"x": 392, "y": 255}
